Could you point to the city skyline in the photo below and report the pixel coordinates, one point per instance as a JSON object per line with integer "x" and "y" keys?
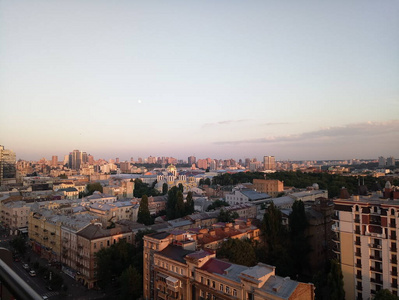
{"x": 299, "y": 80}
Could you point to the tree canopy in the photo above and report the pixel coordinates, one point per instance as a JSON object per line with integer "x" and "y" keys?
{"x": 141, "y": 189}
{"x": 238, "y": 252}
{"x": 144, "y": 216}
{"x": 92, "y": 187}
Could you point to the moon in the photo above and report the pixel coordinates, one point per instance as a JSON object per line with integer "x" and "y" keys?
{"x": 139, "y": 101}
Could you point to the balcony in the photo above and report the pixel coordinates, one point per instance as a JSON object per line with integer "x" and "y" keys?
{"x": 375, "y": 246}
{"x": 357, "y": 231}
{"x": 376, "y": 257}
{"x": 358, "y": 254}
{"x": 393, "y": 261}
{"x": 357, "y": 220}
{"x": 357, "y": 243}
{"x": 376, "y": 281}
{"x": 392, "y": 225}
{"x": 359, "y": 276}
{"x": 393, "y": 249}
{"x": 394, "y": 273}
{"x": 392, "y": 236}
{"x": 376, "y": 269}
{"x": 358, "y": 265}
{"x": 394, "y": 285}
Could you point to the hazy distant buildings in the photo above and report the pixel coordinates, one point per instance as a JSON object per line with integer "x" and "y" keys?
{"x": 54, "y": 161}
{"x": 192, "y": 160}
{"x": 386, "y": 162}
{"x": 269, "y": 163}
{"x": 7, "y": 165}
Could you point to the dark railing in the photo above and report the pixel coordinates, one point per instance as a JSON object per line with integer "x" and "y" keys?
{"x": 15, "y": 285}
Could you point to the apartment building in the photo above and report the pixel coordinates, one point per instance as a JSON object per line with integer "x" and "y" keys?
{"x": 366, "y": 243}
{"x": 174, "y": 270}
{"x": 269, "y": 186}
{"x": 92, "y": 239}
{"x": 14, "y": 214}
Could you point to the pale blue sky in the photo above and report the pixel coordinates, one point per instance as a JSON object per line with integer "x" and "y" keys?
{"x": 293, "y": 79}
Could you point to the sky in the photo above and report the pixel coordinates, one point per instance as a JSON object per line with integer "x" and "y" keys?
{"x": 299, "y": 80}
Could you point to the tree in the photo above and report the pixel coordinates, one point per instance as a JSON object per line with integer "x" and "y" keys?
{"x": 207, "y": 181}
{"x": 144, "y": 216}
{"x": 131, "y": 284}
{"x": 227, "y": 216}
{"x": 299, "y": 247}
{"x": 238, "y": 252}
{"x": 181, "y": 187}
{"x": 385, "y": 294}
{"x": 179, "y": 204}
{"x": 92, "y": 187}
{"x": 216, "y": 204}
{"x": 189, "y": 207}
{"x": 335, "y": 282}
{"x": 171, "y": 203}
{"x": 164, "y": 188}
{"x": 63, "y": 176}
{"x": 19, "y": 245}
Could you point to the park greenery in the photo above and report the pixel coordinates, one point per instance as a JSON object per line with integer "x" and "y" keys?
{"x": 19, "y": 244}
{"x": 332, "y": 182}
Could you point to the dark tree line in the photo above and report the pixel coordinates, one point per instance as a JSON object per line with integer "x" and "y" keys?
{"x": 332, "y": 182}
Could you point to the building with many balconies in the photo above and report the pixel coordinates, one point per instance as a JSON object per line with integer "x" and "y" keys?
{"x": 366, "y": 243}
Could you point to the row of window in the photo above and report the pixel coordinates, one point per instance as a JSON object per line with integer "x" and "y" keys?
{"x": 222, "y": 288}
{"x": 170, "y": 267}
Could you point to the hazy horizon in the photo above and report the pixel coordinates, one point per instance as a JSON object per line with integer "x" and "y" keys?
{"x": 299, "y": 80}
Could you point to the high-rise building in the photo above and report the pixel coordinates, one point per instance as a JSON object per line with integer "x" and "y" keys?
{"x": 7, "y": 164}
{"x": 382, "y": 161}
{"x": 366, "y": 243}
{"x": 90, "y": 159}
{"x": 269, "y": 163}
{"x": 76, "y": 159}
{"x": 54, "y": 160}
{"x": 391, "y": 161}
{"x": 192, "y": 160}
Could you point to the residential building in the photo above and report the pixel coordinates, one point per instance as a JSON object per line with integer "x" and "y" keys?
{"x": 191, "y": 160}
{"x": 14, "y": 215}
{"x": 173, "y": 269}
{"x": 7, "y": 166}
{"x": 269, "y": 163}
{"x": 90, "y": 240}
{"x": 382, "y": 162}
{"x": 391, "y": 161}
{"x": 366, "y": 243}
{"x": 269, "y": 186}
{"x": 54, "y": 161}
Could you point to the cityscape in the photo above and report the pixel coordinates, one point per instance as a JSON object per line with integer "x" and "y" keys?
{"x": 185, "y": 222}
{"x": 199, "y": 150}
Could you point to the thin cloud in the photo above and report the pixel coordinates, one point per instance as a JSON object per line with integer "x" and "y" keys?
{"x": 358, "y": 130}
{"x": 226, "y": 122}
{"x": 275, "y": 123}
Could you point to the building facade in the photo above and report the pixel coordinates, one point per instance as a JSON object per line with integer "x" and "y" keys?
{"x": 366, "y": 244}
{"x": 269, "y": 186}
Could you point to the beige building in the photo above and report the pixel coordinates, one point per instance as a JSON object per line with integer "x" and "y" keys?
{"x": 366, "y": 244}
{"x": 92, "y": 239}
{"x": 174, "y": 270}
{"x": 45, "y": 234}
{"x": 14, "y": 215}
{"x": 268, "y": 186}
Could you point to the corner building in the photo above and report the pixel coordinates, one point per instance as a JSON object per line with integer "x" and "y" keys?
{"x": 174, "y": 270}
{"x": 366, "y": 244}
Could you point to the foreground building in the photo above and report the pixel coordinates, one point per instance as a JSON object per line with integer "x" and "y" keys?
{"x": 174, "y": 270}
{"x": 366, "y": 244}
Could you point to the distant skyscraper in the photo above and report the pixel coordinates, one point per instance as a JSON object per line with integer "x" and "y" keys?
{"x": 90, "y": 159}
{"x": 7, "y": 164}
{"x": 382, "y": 161}
{"x": 54, "y": 161}
{"x": 75, "y": 159}
{"x": 391, "y": 161}
{"x": 269, "y": 163}
{"x": 192, "y": 160}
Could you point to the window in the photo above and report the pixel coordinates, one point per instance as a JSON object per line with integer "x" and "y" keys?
{"x": 202, "y": 279}
{"x": 108, "y": 243}
{"x": 95, "y": 245}
{"x": 213, "y": 284}
{"x": 221, "y": 287}
{"x": 227, "y": 289}
{"x": 208, "y": 282}
{"x": 234, "y": 292}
